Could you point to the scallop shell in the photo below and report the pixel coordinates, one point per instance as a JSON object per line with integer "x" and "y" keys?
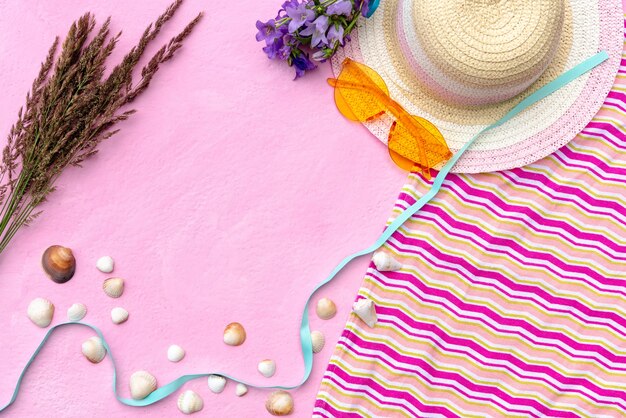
{"x": 279, "y": 403}
{"x": 113, "y": 287}
{"x": 59, "y": 263}
{"x": 317, "y": 341}
{"x": 175, "y": 353}
{"x": 40, "y": 312}
{"x": 216, "y": 383}
{"x": 241, "y": 389}
{"x": 76, "y": 312}
{"x": 190, "y": 402}
{"x": 326, "y": 308}
{"x": 234, "y": 334}
{"x": 119, "y": 315}
{"x": 142, "y": 384}
{"x": 366, "y": 310}
{"x": 105, "y": 264}
{"x": 93, "y": 349}
{"x": 385, "y": 262}
{"x": 267, "y": 368}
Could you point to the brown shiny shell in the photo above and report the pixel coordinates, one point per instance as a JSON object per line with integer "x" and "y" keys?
{"x": 279, "y": 403}
{"x": 59, "y": 263}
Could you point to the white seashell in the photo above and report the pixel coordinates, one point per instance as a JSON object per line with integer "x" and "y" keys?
{"x": 190, "y": 402}
{"x": 366, "y": 310}
{"x": 93, "y": 349}
{"x": 40, "y": 312}
{"x": 279, "y": 403}
{"x": 105, "y": 264}
{"x": 175, "y": 353}
{"x": 385, "y": 262}
{"x": 317, "y": 341}
{"x": 217, "y": 383}
{"x": 326, "y": 308}
{"x": 234, "y": 334}
{"x": 142, "y": 384}
{"x": 113, "y": 287}
{"x": 119, "y": 315}
{"x": 267, "y": 368}
{"x": 76, "y": 312}
{"x": 241, "y": 389}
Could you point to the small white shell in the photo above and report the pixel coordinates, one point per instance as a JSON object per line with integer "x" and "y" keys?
{"x": 113, "y": 287}
{"x": 267, "y": 368}
{"x": 234, "y": 334}
{"x": 241, "y": 389}
{"x": 317, "y": 340}
{"x": 119, "y": 315}
{"x": 190, "y": 402}
{"x": 279, "y": 403}
{"x": 142, "y": 384}
{"x": 40, "y": 312}
{"x": 217, "y": 383}
{"x": 385, "y": 262}
{"x": 93, "y": 349}
{"x": 366, "y": 310}
{"x": 326, "y": 308}
{"x": 105, "y": 264}
{"x": 175, "y": 353}
{"x": 76, "y": 312}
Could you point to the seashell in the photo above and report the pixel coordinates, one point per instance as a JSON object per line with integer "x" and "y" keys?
{"x": 326, "y": 308}
{"x": 190, "y": 402}
{"x": 267, "y": 368}
{"x": 217, "y": 383}
{"x": 105, "y": 264}
{"x": 119, "y": 315}
{"x": 175, "y": 353}
{"x": 279, "y": 403}
{"x": 317, "y": 341}
{"x": 142, "y": 384}
{"x": 76, "y": 312}
{"x": 40, "y": 311}
{"x": 59, "y": 263}
{"x": 241, "y": 389}
{"x": 385, "y": 262}
{"x": 113, "y": 287}
{"x": 93, "y": 349}
{"x": 234, "y": 334}
{"x": 366, "y": 310}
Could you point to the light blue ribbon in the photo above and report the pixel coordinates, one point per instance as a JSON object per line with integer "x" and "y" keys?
{"x": 305, "y": 333}
{"x": 371, "y": 7}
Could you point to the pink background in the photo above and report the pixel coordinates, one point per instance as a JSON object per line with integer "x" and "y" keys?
{"x": 226, "y": 198}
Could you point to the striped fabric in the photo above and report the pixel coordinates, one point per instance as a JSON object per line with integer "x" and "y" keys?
{"x": 512, "y": 298}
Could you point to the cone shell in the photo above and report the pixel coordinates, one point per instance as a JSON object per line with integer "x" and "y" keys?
{"x": 279, "y": 403}
{"x": 385, "y": 262}
{"x": 105, "y": 264}
{"x": 317, "y": 341}
{"x": 119, "y": 315}
{"x": 216, "y": 383}
{"x": 93, "y": 350}
{"x": 40, "y": 312}
{"x": 113, "y": 287}
{"x": 366, "y": 310}
{"x": 326, "y": 308}
{"x": 267, "y": 368}
{"x": 76, "y": 312}
{"x": 59, "y": 263}
{"x": 234, "y": 334}
{"x": 175, "y": 353}
{"x": 241, "y": 389}
{"x": 142, "y": 384}
{"x": 190, "y": 402}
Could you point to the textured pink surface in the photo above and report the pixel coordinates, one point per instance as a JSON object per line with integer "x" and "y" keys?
{"x": 226, "y": 198}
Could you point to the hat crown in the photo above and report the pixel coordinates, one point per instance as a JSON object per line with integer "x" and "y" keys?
{"x": 494, "y": 49}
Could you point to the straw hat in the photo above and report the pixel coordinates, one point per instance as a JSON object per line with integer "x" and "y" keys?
{"x": 462, "y": 64}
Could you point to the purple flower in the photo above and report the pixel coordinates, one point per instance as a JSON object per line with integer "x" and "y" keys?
{"x": 284, "y": 52}
{"x": 364, "y": 8}
{"x": 290, "y": 3}
{"x": 299, "y": 16}
{"x": 273, "y": 50}
{"x": 302, "y": 63}
{"x": 317, "y": 31}
{"x": 267, "y": 31}
{"x": 342, "y": 7}
{"x": 335, "y": 35}
{"x": 320, "y": 56}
